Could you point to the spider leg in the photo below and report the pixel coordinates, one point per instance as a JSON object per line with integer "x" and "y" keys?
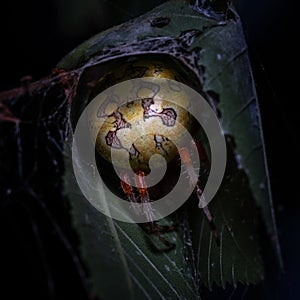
{"x": 202, "y": 153}
{"x": 208, "y": 216}
{"x": 186, "y": 160}
{"x": 128, "y": 190}
{"x": 144, "y": 195}
{"x": 151, "y": 227}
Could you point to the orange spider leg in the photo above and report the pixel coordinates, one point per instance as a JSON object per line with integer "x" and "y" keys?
{"x": 187, "y": 162}
{"x": 144, "y": 195}
{"x": 127, "y": 188}
{"x": 151, "y": 227}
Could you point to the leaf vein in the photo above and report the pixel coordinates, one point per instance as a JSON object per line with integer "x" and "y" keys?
{"x": 149, "y": 261}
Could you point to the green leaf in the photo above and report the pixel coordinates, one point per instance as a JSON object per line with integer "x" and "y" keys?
{"x": 119, "y": 256}
{"x": 237, "y": 259}
{"x": 224, "y": 57}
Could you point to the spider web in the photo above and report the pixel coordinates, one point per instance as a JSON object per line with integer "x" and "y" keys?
{"x": 34, "y": 212}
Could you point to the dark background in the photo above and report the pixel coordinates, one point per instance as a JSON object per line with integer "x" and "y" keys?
{"x": 35, "y": 35}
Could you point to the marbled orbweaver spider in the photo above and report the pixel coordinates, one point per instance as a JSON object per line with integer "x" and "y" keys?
{"x": 155, "y": 125}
